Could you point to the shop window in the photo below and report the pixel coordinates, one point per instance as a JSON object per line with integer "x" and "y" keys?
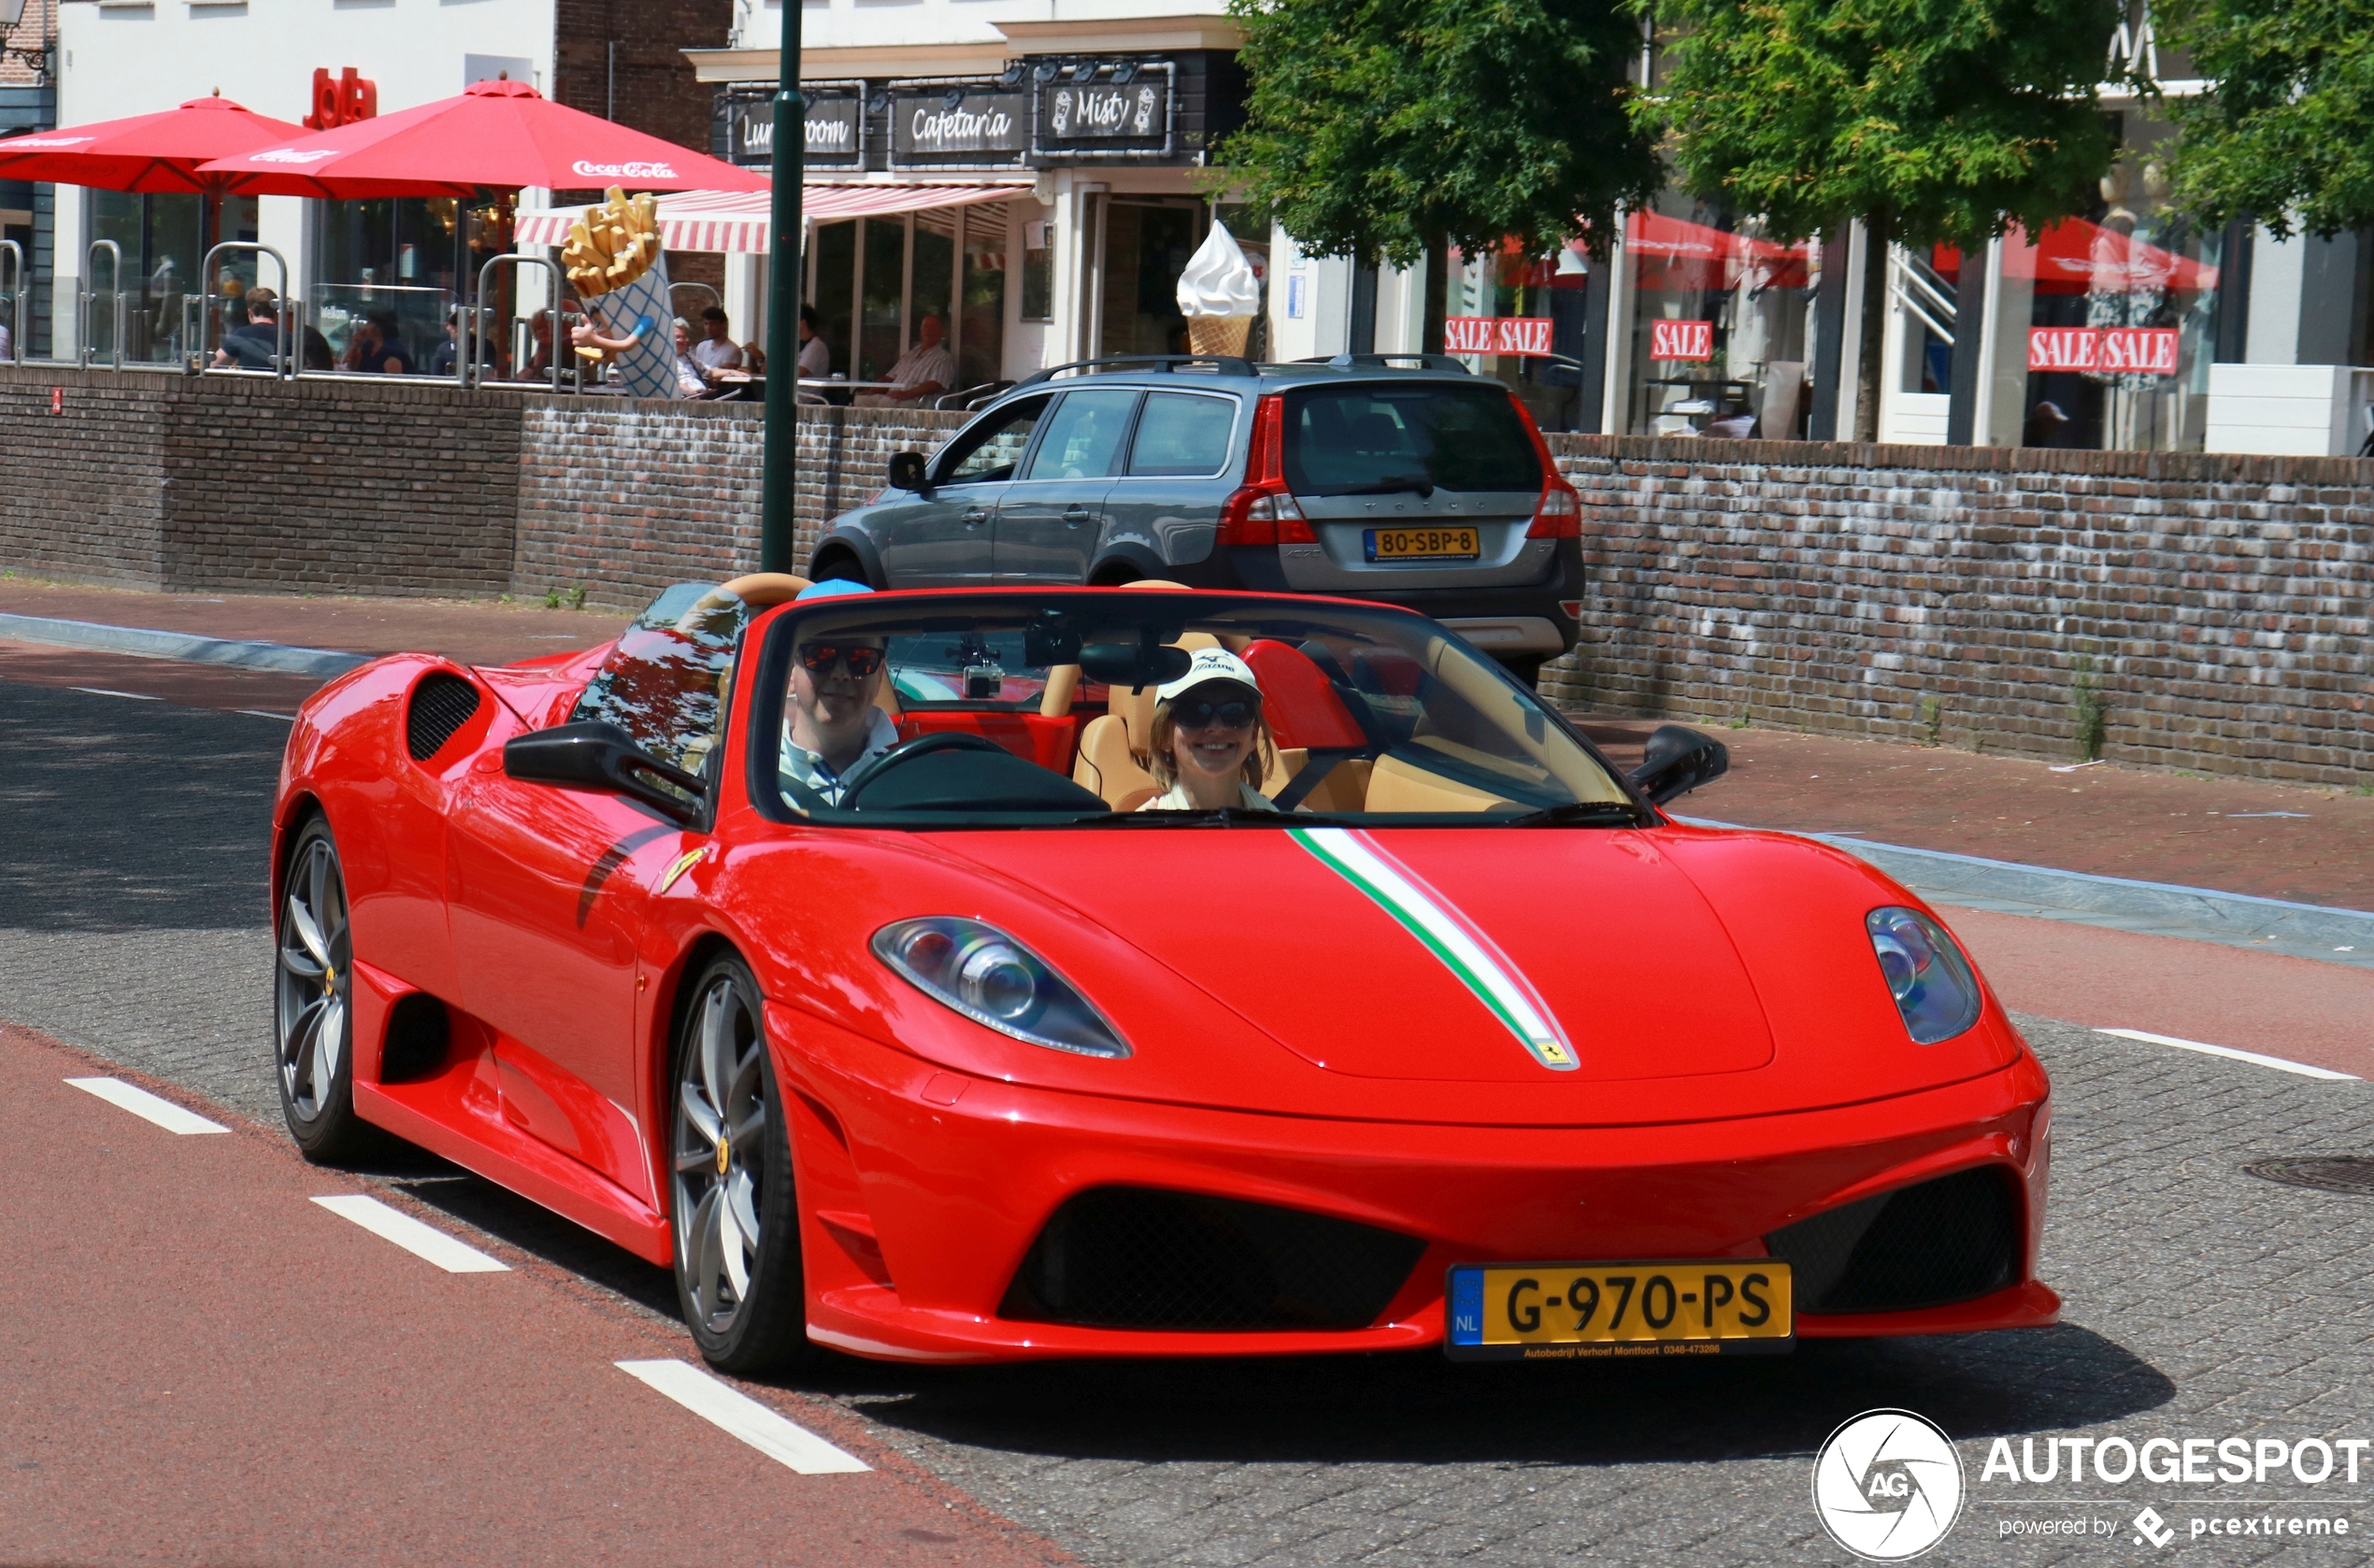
{"x": 1722, "y": 327}
{"x": 1039, "y": 272}
{"x": 403, "y": 263}
{"x": 881, "y": 327}
{"x": 932, "y": 287}
{"x": 162, "y": 241}
{"x": 832, "y": 290}
{"x": 981, "y": 334}
{"x": 2108, "y": 318}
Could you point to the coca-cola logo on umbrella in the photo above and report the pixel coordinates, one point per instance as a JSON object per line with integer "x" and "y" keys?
{"x": 623, "y": 171}
{"x": 20, "y": 143}
{"x": 295, "y": 155}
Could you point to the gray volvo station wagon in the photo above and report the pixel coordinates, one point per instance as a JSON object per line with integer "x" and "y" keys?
{"x": 1425, "y": 487}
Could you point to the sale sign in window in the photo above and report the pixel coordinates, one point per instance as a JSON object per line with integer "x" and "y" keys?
{"x": 1496, "y": 334}
{"x": 2104, "y": 350}
{"x": 1681, "y": 340}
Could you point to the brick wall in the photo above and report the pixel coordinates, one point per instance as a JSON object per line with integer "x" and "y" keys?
{"x": 2220, "y": 605}
{"x": 625, "y": 498}
{"x": 657, "y": 90}
{"x": 82, "y": 491}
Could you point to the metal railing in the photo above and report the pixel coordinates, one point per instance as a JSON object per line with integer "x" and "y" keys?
{"x": 83, "y": 296}
{"x": 467, "y": 365}
{"x": 1922, "y": 292}
{"x": 13, "y": 254}
{"x": 285, "y": 338}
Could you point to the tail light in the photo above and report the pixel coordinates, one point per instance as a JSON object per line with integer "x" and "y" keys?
{"x": 1558, "y": 514}
{"x": 1263, "y": 510}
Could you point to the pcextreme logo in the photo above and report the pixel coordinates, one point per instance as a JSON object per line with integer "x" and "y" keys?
{"x": 1887, "y": 1485}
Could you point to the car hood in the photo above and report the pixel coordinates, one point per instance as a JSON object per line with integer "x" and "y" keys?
{"x": 1441, "y": 955}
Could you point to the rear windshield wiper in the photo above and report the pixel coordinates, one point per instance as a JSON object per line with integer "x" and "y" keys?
{"x": 1582, "y": 813}
{"x": 1392, "y": 484}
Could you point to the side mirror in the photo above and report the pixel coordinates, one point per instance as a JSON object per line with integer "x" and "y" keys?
{"x": 1677, "y": 760}
{"x": 906, "y": 473}
{"x": 600, "y": 756}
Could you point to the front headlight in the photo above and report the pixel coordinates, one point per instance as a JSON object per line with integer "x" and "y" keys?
{"x": 995, "y": 980}
{"x": 1926, "y": 974}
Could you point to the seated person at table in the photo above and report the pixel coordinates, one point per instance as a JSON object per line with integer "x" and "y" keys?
{"x": 835, "y": 727}
{"x": 377, "y": 346}
{"x": 815, "y": 353}
{"x": 249, "y": 346}
{"x": 1210, "y": 745}
{"x": 926, "y": 370}
{"x": 715, "y": 349}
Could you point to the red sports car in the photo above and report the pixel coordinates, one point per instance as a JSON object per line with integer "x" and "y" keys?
{"x": 966, "y": 975}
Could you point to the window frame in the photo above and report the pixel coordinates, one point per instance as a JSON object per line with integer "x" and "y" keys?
{"x": 947, "y": 455}
{"x": 1228, "y": 452}
{"x": 1128, "y": 436}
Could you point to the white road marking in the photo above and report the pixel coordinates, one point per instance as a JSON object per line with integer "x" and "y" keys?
{"x": 784, "y": 1441}
{"x": 146, "y": 1106}
{"x": 421, "y": 1241}
{"x": 259, "y": 713}
{"x": 103, "y": 691}
{"x": 2302, "y": 1068}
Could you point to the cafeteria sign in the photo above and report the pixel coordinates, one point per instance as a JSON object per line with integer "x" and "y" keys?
{"x": 1496, "y": 334}
{"x": 928, "y": 125}
{"x": 2104, "y": 350}
{"x": 1681, "y": 340}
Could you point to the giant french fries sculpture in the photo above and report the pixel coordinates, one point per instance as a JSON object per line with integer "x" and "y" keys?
{"x": 613, "y": 244}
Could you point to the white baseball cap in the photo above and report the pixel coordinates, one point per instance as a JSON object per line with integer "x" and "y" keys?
{"x": 1209, "y": 663}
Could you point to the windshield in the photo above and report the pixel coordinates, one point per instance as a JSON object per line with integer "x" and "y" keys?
{"x": 1150, "y": 710}
{"x": 1406, "y": 435}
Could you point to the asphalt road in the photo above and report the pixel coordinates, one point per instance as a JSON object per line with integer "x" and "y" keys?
{"x": 2202, "y": 1302}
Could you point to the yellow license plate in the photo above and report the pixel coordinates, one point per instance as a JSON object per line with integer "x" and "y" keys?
{"x": 1663, "y": 1308}
{"x": 1424, "y": 544}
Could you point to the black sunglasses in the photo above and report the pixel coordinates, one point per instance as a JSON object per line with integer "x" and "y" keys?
{"x": 1232, "y": 713}
{"x": 819, "y": 658}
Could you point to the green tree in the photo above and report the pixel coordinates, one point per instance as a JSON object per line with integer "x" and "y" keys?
{"x": 1389, "y": 130}
{"x": 2286, "y": 129}
{"x": 1931, "y": 121}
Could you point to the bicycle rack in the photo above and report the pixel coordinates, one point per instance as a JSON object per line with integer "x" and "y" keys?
{"x": 286, "y": 348}
{"x": 15, "y": 272}
{"x": 466, "y": 366}
{"x": 85, "y": 295}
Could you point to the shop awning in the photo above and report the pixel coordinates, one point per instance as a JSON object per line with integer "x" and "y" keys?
{"x": 736, "y": 221}
{"x": 1675, "y": 253}
{"x": 2076, "y": 257}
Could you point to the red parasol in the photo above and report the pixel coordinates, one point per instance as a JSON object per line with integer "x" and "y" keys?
{"x": 147, "y": 152}
{"x": 497, "y": 136}
{"x": 2076, "y": 257}
{"x": 1675, "y": 253}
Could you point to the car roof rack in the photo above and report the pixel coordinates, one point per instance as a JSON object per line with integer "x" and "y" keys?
{"x": 1387, "y": 361}
{"x": 1222, "y": 365}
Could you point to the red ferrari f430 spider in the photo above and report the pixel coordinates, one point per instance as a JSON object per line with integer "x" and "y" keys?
{"x": 953, "y": 976}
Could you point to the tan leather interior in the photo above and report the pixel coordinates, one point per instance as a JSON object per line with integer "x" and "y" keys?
{"x": 1112, "y": 747}
{"x": 1063, "y": 684}
{"x": 1345, "y": 787}
{"x": 761, "y": 589}
{"x": 1395, "y": 785}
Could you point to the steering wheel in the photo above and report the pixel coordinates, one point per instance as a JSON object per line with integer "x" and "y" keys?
{"x": 907, "y": 751}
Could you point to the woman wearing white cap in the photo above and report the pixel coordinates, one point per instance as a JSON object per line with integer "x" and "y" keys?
{"x": 1210, "y": 744}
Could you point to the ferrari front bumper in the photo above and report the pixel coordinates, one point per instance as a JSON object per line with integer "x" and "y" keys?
{"x": 924, "y": 1192}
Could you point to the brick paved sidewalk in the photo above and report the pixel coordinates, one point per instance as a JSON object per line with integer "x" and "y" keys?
{"x": 2309, "y": 843}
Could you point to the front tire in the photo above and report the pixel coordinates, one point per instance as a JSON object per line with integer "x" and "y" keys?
{"x": 732, "y": 1209}
{"x": 313, "y": 1019}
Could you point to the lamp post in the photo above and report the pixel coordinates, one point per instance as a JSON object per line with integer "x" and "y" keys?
{"x": 777, "y": 527}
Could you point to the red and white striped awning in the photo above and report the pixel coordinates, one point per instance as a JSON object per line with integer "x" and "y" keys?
{"x": 737, "y": 221}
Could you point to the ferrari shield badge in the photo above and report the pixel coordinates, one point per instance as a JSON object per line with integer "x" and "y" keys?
{"x": 1458, "y": 942}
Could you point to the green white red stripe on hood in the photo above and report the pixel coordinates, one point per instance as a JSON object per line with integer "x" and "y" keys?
{"x": 1460, "y": 944}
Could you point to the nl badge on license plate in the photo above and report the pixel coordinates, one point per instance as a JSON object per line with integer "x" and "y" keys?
{"x": 1507, "y": 1312}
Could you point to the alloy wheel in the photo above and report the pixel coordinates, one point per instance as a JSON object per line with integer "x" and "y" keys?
{"x": 316, "y": 961}
{"x": 720, "y": 1150}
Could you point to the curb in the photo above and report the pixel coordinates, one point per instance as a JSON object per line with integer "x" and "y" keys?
{"x": 321, "y": 663}
{"x": 2152, "y": 908}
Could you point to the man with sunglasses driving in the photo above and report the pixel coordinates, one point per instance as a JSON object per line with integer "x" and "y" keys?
{"x": 835, "y": 728}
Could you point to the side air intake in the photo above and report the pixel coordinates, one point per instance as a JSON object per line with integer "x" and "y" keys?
{"x": 441, "y": 704}
{"x": 1953, "y": 1239}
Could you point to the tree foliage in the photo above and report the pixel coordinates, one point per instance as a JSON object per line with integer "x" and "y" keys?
{"x": 1931, "y": 120}
{"x": 2286, "y": 129}
{"x": 1380, "y": 129}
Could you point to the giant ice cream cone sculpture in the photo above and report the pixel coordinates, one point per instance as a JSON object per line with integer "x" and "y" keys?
{"x": 1218, "y": 295}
